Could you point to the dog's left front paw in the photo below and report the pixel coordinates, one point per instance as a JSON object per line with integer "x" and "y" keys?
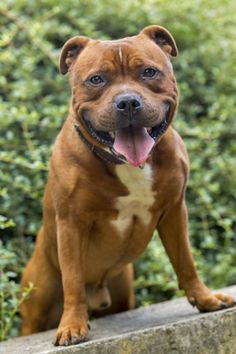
{"x": 209, "y": 301}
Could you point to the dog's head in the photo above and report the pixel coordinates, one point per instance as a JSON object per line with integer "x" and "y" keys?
{"x": 124, "y": 91}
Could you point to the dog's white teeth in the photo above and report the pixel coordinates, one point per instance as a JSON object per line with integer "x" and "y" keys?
{"x": 112, "y": 134}
{"x": 149, "y": 130}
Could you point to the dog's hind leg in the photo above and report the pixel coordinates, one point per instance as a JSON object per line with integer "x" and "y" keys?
{"x": 42, "y": 310}
{"x": 122, "y": 291}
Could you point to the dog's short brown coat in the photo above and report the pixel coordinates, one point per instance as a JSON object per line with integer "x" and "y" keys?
{"x": 83, "y": 256}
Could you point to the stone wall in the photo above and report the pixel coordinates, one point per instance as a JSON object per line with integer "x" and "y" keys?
{"x": 171, "y": 327}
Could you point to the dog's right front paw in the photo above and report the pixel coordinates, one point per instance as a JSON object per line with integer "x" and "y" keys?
{"x": 71, "y": 335}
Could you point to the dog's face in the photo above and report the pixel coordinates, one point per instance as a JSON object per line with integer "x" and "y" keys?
{"x": 124, "y": 91}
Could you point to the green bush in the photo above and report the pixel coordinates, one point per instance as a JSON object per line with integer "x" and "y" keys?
{"x": 10, "y": 295}
{"x": 34, "y": 103}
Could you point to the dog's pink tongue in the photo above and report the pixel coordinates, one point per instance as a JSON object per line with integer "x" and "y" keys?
{"x": 134, "y": 144}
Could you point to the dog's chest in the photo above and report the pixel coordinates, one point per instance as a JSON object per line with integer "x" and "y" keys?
{"x": 139, "y": 200}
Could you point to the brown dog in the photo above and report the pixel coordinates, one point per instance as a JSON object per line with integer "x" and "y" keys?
{"x": 100, "y": 208}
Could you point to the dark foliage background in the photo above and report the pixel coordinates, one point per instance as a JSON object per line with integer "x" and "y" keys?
{"x": 34, "y": 102}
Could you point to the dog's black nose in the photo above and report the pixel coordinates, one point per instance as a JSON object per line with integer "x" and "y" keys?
{"x": 128, "y": 103}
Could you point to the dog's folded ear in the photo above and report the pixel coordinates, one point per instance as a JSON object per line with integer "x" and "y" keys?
{"x": 162, "y": 38}
{"x": 70, "y": 52}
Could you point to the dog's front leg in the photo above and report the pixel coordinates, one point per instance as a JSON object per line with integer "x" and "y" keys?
{"x": 173, "y": 231}
{"x": 73, "y": 327}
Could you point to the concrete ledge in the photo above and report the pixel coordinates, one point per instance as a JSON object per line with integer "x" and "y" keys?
{"x": 171, "y": 327}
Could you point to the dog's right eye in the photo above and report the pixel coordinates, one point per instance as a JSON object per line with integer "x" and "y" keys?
{"x": 96, "y": 80}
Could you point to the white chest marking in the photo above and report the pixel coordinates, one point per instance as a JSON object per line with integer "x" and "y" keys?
{"x": 140, "y": 199}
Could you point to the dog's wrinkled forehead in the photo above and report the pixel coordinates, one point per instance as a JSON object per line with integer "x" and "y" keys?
{"x": 120, "y": 56}
{"x": 153, "y": 43}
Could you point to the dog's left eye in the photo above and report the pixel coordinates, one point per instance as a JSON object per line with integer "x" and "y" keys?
{"x": 149, "y": 73}
{"x": 96, "y": 80}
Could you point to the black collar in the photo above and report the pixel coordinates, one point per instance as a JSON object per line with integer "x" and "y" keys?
{"x": 109, "y": 157}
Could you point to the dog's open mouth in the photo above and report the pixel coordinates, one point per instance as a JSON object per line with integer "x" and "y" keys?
{"x": 130, "y": 144}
